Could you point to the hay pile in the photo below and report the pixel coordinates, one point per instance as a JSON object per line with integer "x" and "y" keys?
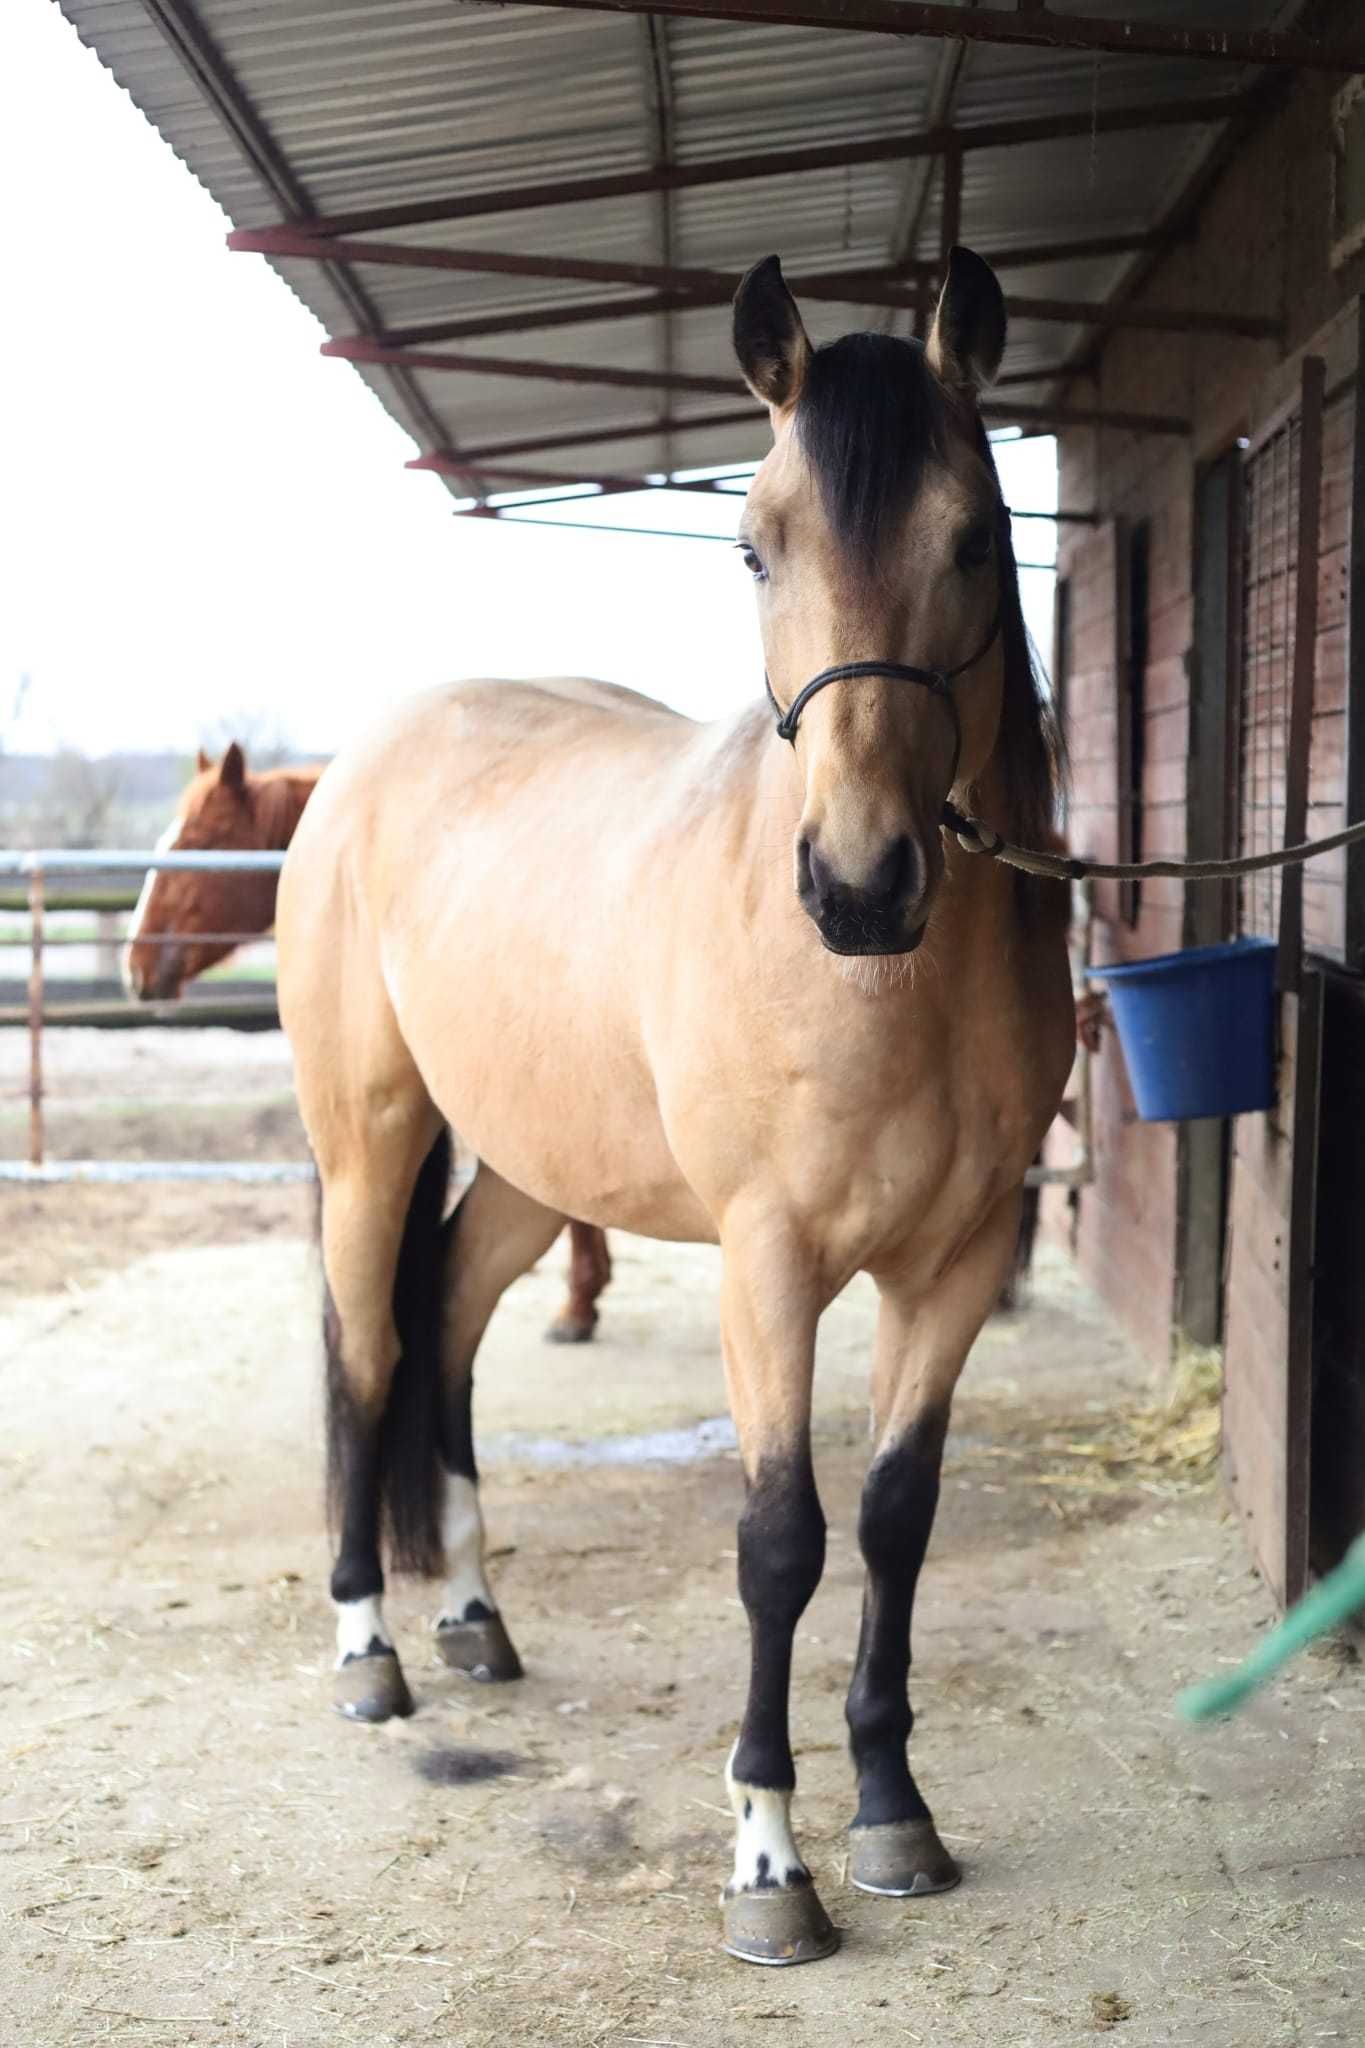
{"x": 1170, "y": 1447}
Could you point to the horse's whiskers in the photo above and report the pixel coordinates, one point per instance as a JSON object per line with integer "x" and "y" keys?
{"x": 874, "y": 974}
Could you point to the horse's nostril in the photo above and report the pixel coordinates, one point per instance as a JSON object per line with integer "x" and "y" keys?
{"x": 814, "y": 878}
{"x": 893, "y": 879}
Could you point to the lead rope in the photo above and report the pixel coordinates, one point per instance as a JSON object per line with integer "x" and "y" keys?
{"x": 975, "y": 836}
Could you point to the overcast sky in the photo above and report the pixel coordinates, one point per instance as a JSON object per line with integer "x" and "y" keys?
{"x": 202, "y": 520}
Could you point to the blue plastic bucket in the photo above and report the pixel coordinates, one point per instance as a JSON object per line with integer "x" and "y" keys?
{"x": 1197, "y": 1029}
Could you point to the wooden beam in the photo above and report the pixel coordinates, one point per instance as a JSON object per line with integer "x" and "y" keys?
{"x": 442, "y": 459}
{"x": 1007, "y": 414}
{"x": 862, "y": 287}
{"x": 545, "y": 373}
{"x": 779, "y": 163}
{"x": 445, "y": 462}
{"x": 1034, "y": 27}
{"x": 1067, "y": 312}
{"x": 1312, "y": 381}
{"x": 536, "y": 319}
{"x": 513, "y": 478}
{"x": 587, "y": 312}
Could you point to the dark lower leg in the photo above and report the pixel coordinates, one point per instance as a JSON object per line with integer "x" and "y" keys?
{"x": 897, "y": 1515}
{"x": 369, "y": 1683}
{"x": 357, "y": 1583}
{"x": 781, "y": 1556}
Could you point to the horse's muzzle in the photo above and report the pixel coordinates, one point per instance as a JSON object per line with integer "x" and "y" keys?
{"x": 885, "y": 913}
{"x": 157, "y": 981}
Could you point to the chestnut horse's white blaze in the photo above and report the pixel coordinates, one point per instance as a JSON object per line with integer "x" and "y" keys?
{"x": 139, "y": 919}
{"x": 696, "y": 1055}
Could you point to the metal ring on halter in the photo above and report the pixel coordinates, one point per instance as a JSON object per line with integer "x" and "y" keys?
{"x": 937, "y": 680}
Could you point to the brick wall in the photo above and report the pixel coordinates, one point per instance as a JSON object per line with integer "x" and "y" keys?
{"x": 1260, "y": 246}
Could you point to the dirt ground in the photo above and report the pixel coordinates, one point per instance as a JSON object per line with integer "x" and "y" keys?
{"x": 195, "y": 1850}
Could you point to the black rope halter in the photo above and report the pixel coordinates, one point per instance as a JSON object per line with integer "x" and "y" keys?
{"x": 938, "y": 681}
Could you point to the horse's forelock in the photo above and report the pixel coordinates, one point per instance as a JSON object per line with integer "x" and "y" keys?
{"x": 870, "y": 417}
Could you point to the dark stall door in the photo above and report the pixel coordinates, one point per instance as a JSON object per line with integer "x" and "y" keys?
{"x": 1338, "y": 1487}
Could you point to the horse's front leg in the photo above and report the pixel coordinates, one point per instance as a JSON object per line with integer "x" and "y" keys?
{"x": 769, "y": 1309}
{"x": 922, "y": 1344}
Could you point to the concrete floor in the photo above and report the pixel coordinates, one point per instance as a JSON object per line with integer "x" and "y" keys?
{"x": 194, "y": 1850}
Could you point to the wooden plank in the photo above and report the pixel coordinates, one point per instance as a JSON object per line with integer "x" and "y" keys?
{"x": 1268, "y": 1353}
{"x": 1313, "y": 379}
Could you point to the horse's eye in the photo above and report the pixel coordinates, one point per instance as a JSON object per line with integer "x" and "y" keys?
{"x": 976, "y": 548}
{"x": 751, "y": 561}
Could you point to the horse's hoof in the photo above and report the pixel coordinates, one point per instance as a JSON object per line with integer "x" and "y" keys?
{"x": 903, "y": 1860}
{"x": 372, "y": 1688}
{"x": 482, "y": 1649}
{"x": 778, "y": 1927}
{"x": 567, "y": 1329}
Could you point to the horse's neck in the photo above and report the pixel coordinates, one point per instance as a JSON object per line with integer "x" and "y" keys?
{"x": 279, "y": 804}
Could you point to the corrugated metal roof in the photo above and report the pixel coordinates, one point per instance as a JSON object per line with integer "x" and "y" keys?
{"x": 348, "y": 108}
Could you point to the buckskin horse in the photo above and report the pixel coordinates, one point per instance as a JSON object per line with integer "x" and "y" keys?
{"x": 187, "y": 921}
{"x": 716, "y": 983}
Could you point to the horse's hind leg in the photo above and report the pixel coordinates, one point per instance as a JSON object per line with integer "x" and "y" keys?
{"x": 922, "y": 1345}
{"x": 494, "y": 1236}
{"x": 383, "y": 1194}
{"x": 589, "y": 1273}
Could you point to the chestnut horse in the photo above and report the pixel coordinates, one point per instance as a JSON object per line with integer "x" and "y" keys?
{"x": 186, "y": 922}
{"x": 711, "y": 983}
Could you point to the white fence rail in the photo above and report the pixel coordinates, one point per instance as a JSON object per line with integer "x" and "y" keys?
{"x": 36, "y": 868}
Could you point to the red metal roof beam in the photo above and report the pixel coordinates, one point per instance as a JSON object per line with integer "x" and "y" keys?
{"x": 1032, "y": 26}
{"x": 587, "y": 312}
{"x": 856, "y": 286}
{"x": 782, "y": 163}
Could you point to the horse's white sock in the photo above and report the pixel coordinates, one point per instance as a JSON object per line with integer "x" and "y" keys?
{"x": 766, "y": 1855}
{"x": 466, "y": 1587}
{"x": 360, "y": 1625}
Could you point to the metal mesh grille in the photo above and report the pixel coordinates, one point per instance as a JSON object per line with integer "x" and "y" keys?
{"x": 1269, "y": 586}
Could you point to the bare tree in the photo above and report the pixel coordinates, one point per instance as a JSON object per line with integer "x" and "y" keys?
{"x": 79, "y": 800}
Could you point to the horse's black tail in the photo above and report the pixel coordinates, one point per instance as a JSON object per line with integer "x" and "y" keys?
{"x": 408, "y": 1477}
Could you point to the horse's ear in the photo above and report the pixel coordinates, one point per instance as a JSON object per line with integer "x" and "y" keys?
{"x": 204, "y": 762}
{"x": 232, "y": 768}
{"x": 967, "y": 338}
{"x": 770, "y": 341}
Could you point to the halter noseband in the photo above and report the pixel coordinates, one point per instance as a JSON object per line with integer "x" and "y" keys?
{"x": 938, "y": 681}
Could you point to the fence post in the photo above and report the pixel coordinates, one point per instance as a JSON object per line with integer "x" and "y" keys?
{"x": 107, "y": 929}
{"x": 35, "y": 1020}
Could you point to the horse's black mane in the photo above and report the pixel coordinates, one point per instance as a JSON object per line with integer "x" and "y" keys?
{"x": 871, "y": 416}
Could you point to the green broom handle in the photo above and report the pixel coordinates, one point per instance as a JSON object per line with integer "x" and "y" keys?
{"x": 1333, "y": 1600}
